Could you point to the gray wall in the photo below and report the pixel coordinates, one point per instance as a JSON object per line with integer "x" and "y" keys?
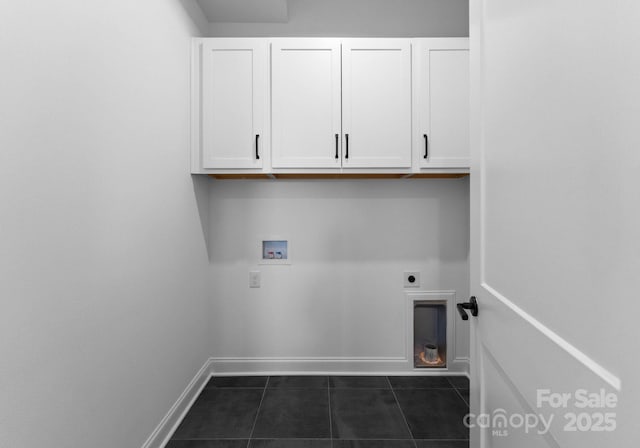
{"x": 103, "y": 301}
{"x": 352, "y": 240}
{"x": 353, "y": 18}
{"x": 342, "y": 296}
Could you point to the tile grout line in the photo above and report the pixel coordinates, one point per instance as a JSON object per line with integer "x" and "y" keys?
{"x": 330, "y": 422}
{"x": 415, "y": 444}
{"x": 451, "y": 382}
{"x": 458, "y": 391}
{"x": 460, "y": 395}
{"x": 255, "y": 421}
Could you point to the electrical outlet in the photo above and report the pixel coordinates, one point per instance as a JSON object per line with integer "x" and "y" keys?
{"x": 411, "y": 279}
{"x": 254, "y": 279}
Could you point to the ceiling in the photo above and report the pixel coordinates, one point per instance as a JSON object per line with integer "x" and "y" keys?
{"x": 245, "y": 11}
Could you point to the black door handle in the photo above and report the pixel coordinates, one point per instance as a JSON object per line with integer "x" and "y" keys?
{"x": 257, "y": 154}
{"x": 337, "y": 136}
{"x": 472, "y": 305}
{"x": 346, "y": 136}
{"x": 426, "y": 146}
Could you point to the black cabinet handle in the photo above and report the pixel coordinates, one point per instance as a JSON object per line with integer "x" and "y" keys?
{"x": 472, "y": 305}
{"x": 346, "y": 136}
{"x": 426, "y": 145}
{"x": 257, "y": 154}
{"x": 337, "y": 137}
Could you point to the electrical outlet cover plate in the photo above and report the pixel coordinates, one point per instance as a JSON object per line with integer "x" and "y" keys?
{"x": 408, "y": 276}
{"x": 254, "y": 279}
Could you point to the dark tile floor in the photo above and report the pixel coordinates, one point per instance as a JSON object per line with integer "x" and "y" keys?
{"x": 327, "y": 412}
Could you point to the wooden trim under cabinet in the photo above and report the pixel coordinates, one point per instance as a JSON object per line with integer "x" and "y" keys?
{"x": 326, "y": 176}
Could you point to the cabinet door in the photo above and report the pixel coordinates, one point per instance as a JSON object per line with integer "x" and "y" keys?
{"x": 235, "y": 81}
{"x": 376, "y": 95}
{"x": 441, "y": 87}
{"x": 306, "y": 119}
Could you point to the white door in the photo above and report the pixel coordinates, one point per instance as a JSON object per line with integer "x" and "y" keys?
{"x": 441, "y": 107}
{"x": 376, "y": 103}
{"x": 306, "y": 116}
{"x": 555, "y": 223}
{"x": 235, "y": 104}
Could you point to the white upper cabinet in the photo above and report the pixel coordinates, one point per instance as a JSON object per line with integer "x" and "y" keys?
{"x": 306, "y": 113}
{"x": 376, "y": 103}
{"x": 441, "y": 102}
{"x": 235, "y": 103}
{"x": 330, "y": 105}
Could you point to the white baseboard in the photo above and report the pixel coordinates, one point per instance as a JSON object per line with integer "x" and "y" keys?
{"x": 329, "y": 366}
{"x": 462, "y": 365}
{"x": 163, "y": 432}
